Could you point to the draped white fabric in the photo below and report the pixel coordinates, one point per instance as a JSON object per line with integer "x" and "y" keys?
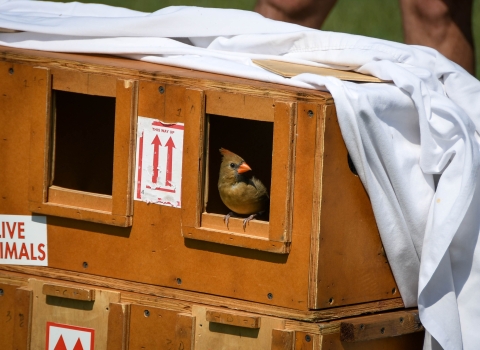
{"x": 401, "y": 136}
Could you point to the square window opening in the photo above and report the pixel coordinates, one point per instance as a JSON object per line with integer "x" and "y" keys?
{"x": 83, "y": 142}
{"x": 250, "y": 139}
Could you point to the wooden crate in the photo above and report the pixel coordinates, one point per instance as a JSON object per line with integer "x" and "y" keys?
{"x": 126, "y": 320}
{"x": 318, "y": 250}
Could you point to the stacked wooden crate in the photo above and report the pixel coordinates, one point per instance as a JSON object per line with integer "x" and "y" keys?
{"x": 150, "y": 276}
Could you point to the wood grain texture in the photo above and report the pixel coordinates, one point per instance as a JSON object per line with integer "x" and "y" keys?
{"x": 118, "y": 326}
{"x": 239, "y": 105}
{"x": 90, "y": 84}
{"x": 380, "y": 326}
{"x": 281, "y": 197}
{"x": 89, "y": 314}
{"x": 68, "y": 292}
{"x": 64, "y": 196}
{"x": 151, "y": 293}
{"x": 219, "y": 336}
{"x": 233, "y": 319}
{"x": 156, "y": 328}
{"x": 124, "y": 147}
{"x": 7, "y": 312}
{"x": 185, "y": 332}
{"x": 237, "y": 240}
{"x": 412, "y": 341}
{"x": 306, "y": 341}
{"x": 110, "y": 65}
{"x": 283, "y": 339}
{"x": 352, "y": 266}
{"x": 23, "y": 319}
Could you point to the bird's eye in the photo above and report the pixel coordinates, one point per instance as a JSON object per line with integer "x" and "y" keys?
{"x": 232, "y": 165}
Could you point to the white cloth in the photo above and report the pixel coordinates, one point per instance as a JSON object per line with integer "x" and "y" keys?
{"x": 399, "y": 135}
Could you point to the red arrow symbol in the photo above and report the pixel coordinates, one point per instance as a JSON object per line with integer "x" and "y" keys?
{"x": 156, "y": 153}
{"x": 170, "y": 145}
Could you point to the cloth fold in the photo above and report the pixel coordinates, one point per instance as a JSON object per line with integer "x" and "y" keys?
{"x": 401, "y": 136}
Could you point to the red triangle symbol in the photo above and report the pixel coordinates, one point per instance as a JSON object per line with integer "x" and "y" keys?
{"x": 78, "y": 345}
{"x": 60, "y": 344}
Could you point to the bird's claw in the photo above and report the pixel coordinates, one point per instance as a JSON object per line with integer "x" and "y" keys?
{"x": 227, "y": 218}
{"x": 247, "y": 220}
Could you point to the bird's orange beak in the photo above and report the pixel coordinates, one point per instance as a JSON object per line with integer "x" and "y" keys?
{"x": 243, "y": 168}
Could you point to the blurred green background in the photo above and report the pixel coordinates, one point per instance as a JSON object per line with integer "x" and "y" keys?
{"x": 375, "y": 18}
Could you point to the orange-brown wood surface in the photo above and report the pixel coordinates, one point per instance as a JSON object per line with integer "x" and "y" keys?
{"x": 23, "y": 319}
{"x": 412, "y": 341}
{"x": 283, "y": 339}
{"x": 153, "y": 251}
{"x": 156, "y": 328}
{"x": 7, "y": 313}
{"x": 352, "y": 265}
{"x": 118, "y": 326}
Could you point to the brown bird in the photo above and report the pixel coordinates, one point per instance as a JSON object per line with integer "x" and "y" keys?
{"x": 240, "y": 193}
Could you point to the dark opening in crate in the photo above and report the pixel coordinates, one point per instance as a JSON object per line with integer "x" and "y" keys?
{"x": 83, "y": 135}
{"x": 250, "y": 139}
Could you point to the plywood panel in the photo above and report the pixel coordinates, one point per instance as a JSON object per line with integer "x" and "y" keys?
{"x": 283, "y": 340}
{"x": 347, "y": 274}
{"x": 156, "y": 328}
{"x": 413, "y": 341}
{"x": 7, "y": 313}
{"x": 210, "y": 335}
{"x": 23, "y": 94}
{"x": 23, "y": 318}
{"x": 89, "y": 314}
{"x": 118, "y": 326}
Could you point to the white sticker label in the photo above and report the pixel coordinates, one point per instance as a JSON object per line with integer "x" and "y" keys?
{"x": 158, "y": 176}
{"x": 23, "y": 240}
{"x": 66, "y": 337}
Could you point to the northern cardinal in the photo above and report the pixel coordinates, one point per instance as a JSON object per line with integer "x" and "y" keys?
{"x": 240, "y": 193}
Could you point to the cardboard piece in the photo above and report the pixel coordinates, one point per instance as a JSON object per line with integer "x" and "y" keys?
{"x": 289, "y": 70}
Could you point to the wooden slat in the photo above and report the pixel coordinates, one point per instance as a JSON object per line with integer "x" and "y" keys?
{"x": 101, "y": 217}
{"x": 7, "y": 312}
{"x": 151, "y": 293}
{"x": 79, "y": 82}
{"x": 118, "y": 326}
{"x": 256, "y": 228}
{"x": 380, "y": 326}
{"x": 240, "y": 106}
{"x": 282, "y": 339}
{"x": 321, "y": 112}
{"x": 152, "y": 328}
{"x": 151, "y": 102}
{"x": 23, "y": 318}
{"x": 39, "y": 130}
{"x": 305, "y": 341}
{"x": 124, "y": 147}
{"x": 64, "y": 196}
{"x": 193, "y": 154}
{"x": 76, "y": 293}
{"x": 106, "y": 64}
{"x": 282, "y": 174}
{"x": 185, "y": 332}
{"x": 233, "y": 319}
{"x": 236, "y": 240}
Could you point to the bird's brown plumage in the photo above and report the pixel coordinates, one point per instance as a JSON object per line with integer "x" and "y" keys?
{"x": 240, "y": 193}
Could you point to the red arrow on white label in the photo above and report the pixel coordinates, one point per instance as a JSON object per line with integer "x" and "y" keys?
{"x": 156, "y": 154}
{"x": 170, "y": 145}
{"x": 158, "y": 178}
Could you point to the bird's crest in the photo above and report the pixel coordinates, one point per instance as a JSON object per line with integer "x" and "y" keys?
{"x": 230, "y": 155}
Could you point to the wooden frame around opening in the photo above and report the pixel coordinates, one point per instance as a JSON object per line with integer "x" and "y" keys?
{"x": 273, "y": 236}
{"x": 44, "y": 198}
